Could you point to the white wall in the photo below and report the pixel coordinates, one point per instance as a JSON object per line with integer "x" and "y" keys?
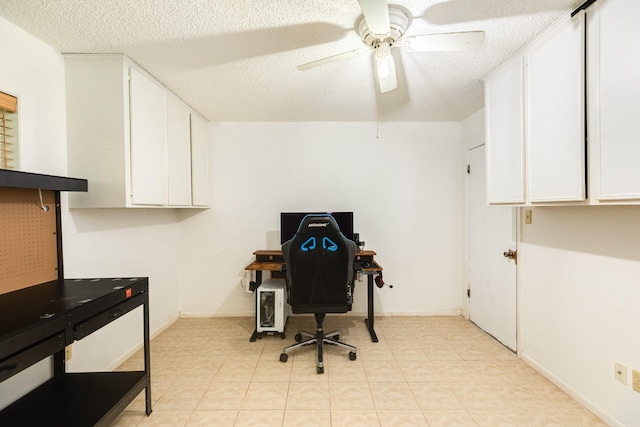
{"x": 34, "y": 72}
{"x": 123, "y": 243}
{"x": 404, "y": 190}
{"x": 96, "y": 242}
{"x": 579, "y": 278}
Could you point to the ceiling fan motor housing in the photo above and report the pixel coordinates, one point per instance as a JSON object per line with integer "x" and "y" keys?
{"x": 399, "y": 20}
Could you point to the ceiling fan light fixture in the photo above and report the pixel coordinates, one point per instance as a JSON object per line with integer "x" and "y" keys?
{"x": 385, "y": 67}
{"x": 388, "y": 82}
{"x": 383, "y": 51}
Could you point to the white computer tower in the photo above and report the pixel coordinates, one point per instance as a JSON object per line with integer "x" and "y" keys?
{"x": 272, "y": 309}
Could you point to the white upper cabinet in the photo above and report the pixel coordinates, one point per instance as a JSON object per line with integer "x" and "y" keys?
{"x": 535, "y": 121}
{"x": 504, "y": 128}
{"x": 561, "y": 85}
{"x": 614, "y": 100}
{"x": 555, "y": 114}
{"x": 130, "y": 137}
{"x": 179, "y": 151}
{"x": 148, "y": 103}
{"x": 200, "y": 164}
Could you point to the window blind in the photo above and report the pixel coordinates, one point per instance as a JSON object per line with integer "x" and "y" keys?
{"x": 8, "y": 131}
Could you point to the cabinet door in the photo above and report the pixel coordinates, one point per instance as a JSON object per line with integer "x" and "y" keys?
{"x": 505, "y": 135}
{"x": 615, "y": 87}
{"x": 555, "y": 114}
{"x": 178, "y": 153}
{"x": 148, "y": 119}
{"x": 200, "y": 153}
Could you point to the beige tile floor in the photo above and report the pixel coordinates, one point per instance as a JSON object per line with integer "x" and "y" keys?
{"x": 425, "y": 371}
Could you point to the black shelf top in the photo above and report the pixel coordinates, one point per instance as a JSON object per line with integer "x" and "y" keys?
{"x": 53, "y": 304}
{"x": 16, "y": 179}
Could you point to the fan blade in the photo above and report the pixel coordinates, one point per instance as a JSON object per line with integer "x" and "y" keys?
{"x": 469, "y": 40}
{"x": 376, "y": 13}
{"x": 333, "y": 58}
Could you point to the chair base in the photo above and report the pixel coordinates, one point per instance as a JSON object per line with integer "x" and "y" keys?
{"x": 319, "y": 338}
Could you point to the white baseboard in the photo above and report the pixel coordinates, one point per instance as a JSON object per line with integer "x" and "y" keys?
{"x": 187, "y": 315}
{"x": 604, "y": 416}
{"x": 454, "y": 312}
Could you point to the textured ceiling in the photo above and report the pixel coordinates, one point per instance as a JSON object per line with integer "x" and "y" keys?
{"x": 235, "y": 60}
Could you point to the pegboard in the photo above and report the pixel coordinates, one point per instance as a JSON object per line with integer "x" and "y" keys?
{"x": 28, "y": 240}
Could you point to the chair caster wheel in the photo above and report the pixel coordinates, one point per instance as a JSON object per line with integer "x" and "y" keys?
{"x": 283, "y": 336}
{"x": 320, "y": 369}
{"x": 298, "y": 337}
{"x": 284, "y": 357}
{"x": 352, "y": 355}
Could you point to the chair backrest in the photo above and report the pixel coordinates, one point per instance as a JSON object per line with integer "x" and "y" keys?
{"x": 319, "y": 267}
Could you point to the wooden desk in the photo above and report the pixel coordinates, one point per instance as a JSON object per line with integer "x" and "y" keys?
{"x": 272, "y": 260}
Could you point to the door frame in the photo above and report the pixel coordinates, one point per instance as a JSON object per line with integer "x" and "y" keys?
{"x": 466, "y": 273}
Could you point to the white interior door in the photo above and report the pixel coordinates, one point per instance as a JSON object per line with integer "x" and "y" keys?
{"x": 492, "y": 276}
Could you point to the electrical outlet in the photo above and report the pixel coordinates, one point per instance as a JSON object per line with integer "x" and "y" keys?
{"x": 528, "y": 216}
{"x": 67, "y": 352}
{"x": 635, "y": 380}
{"x": 620, "y": 372}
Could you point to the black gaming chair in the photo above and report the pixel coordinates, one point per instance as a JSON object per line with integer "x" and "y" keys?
{"x": 319, "y": 277}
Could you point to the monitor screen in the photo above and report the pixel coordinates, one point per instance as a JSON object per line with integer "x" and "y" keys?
{"x": 290, "y": 221}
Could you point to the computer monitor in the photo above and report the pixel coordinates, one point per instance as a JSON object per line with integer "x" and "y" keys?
{"x": 290, "y": 221}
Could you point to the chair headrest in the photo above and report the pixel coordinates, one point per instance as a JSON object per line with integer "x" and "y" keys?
{"x": 314, "y": 224}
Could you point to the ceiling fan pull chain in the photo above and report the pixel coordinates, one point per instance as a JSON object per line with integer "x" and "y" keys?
{"x": 377, "y": 115}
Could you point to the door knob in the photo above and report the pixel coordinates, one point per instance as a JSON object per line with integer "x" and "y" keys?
{"x": 511, "y": 254}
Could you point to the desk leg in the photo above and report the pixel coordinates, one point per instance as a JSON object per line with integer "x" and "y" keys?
{"x": 147, "y": 354}
{"x": 369, "y": 319}
{"x": 59, "y": 363}
{"x": 256, "y": 334}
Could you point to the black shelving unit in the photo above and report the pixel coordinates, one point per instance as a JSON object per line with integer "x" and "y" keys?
{"x": 72, "y": 309}
{"x": 39, "y": 320}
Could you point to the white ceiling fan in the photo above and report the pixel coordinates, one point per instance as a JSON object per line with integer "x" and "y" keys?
{"x": 381, "y": 28}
